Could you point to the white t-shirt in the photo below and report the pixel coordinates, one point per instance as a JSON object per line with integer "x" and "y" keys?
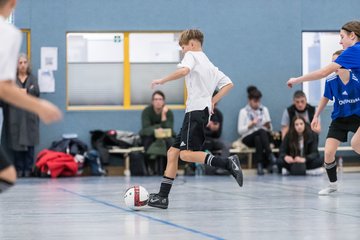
{"x": 10, "y": 42}
{"x": 247, "y": 114}
{"x": 201, "y": 81}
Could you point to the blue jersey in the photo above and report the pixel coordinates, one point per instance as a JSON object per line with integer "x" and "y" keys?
{"x": 350, "y": 59}
{"x": 346, "y": 97}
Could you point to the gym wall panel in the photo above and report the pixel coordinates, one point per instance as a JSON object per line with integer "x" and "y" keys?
{"x": 253, "y": 42}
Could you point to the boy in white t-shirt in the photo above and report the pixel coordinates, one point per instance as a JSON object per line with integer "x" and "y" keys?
{"x": 201, "y": 78}
{"x": 10, "y": 41}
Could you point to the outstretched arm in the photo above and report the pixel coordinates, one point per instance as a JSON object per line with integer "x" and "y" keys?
{"x": 222, "y": 92}
{"x": 315, "y": 75}
{"x": 13, "y": 95}
{"x": 179, "y": 73}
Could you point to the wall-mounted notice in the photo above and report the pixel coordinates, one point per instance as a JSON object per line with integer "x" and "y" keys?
{"x": 49, "y": 58}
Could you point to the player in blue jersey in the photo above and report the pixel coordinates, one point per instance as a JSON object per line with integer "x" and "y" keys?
{"x": 344, "y": 88}
{"x": 346, "y": 114}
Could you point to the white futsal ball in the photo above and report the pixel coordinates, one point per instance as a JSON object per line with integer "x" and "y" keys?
{"x": 136, "y": 197}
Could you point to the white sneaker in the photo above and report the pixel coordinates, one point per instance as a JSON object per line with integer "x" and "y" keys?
{"x": 284, "y": 172}
{"x": 333, "y": 187}
{"x": 315, "y": 171}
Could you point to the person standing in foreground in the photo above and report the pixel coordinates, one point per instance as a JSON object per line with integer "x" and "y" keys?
{"x": 201, "y": 78}
{"x": 10, "y": 41}
{"x": 20, "y": 130}
{"x": 345, "y": 89}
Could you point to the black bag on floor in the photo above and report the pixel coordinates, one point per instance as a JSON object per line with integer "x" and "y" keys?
{"x": 92, "y": 158}
{"x": 137, "y": 164}
{"x": 298, "y": 169}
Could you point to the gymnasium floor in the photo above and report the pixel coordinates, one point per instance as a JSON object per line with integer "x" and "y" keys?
{"x": 268, "y": 207}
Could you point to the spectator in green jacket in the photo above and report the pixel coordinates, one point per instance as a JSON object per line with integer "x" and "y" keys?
{"x": 156, "y": 118}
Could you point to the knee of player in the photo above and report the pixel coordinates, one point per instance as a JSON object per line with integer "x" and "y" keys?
{"x": 172, "y": 153}
{"x": 355, "y": 145}
{"x": 185, "y": 155}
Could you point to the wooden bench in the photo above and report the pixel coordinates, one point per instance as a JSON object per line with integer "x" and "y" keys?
{"x": 247, "y": 151}
{"x": 126, "y": 152}
{"x": 250, "y": 151}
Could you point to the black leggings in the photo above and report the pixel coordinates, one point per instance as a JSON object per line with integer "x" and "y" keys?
{"x": 259, "y": 140}
{"x": 24, "y": 160}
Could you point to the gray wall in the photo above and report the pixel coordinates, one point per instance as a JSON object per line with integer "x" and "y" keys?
{"x": 253, "y": 42}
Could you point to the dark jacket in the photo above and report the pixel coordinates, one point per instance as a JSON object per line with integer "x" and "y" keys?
{"x": 151, "y": 121}
{"x": 21, "y": 128}
{"x": 217, "y": 117}
{"x": 292, "y": 112}
{"x": 310, "y": 147}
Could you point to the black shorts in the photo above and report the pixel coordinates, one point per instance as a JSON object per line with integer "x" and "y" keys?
{"x": 340, "y": 127}
{"x": 192, "y": 133}
{"x": 4, "y": 160}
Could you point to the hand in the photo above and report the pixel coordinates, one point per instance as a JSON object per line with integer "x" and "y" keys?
{"x": 255, "y": 121}
{"x": 212, "y": 108}
{"x": 23, "y": 90}
{"x": 48, "y": 112}
{"x": 213, "y": 126}
{"x": 289, "y": 159}
{"x": 165, "y": 109}
{"x": 291, "y": 82}
{"x": 315, "y": 125}
{"x": 299, "y": 159}
{"x": 156, "y": 82}
{"x": 252, "y": 124}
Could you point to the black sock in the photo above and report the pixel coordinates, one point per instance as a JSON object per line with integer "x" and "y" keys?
{"x": 213, "y": 161}
{"x": 165, "y": 187}
{"x": 331, "y": 171}
{"x": 4, "y": 185}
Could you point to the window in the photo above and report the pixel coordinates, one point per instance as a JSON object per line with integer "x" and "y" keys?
{"x": 317, "y": 51}
{"x": 95, "y": 69}
{"x": 114, "y": 70}
{"x": 153, "y": 55}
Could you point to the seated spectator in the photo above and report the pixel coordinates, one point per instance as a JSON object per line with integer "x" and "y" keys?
{"x": 299, "y": 150}
{"x": 157, "y": 117}
{"x": 300, "y": 107}
{"x": 254, "y": 126}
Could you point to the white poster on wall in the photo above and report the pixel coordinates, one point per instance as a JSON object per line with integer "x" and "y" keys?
{"x": 49, "y": 58}
{"x": 46, "y": 80}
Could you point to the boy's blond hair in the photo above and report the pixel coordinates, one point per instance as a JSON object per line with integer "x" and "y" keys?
{"x": 191, "y": 34}
{"x": 3, "y": 2}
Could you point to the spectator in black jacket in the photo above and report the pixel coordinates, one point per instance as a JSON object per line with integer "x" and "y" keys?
{"x": 300, "y": 107}
{"x": 299, "y": 150}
